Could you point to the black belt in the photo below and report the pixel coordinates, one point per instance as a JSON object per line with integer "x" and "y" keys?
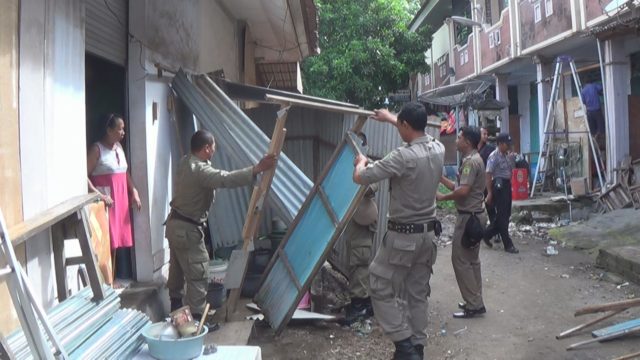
{"x": 462, "y": 212}
{"x": 410, "y": 228}
{"x": 176, "y": 215}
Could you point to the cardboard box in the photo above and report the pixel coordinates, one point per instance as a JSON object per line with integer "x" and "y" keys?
{"x": 579, "y": 186}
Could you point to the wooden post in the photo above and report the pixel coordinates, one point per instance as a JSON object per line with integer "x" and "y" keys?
{"x": 572, "y": 331}
{"x": 624, "y": 304}
{"x": 84, "y": 237}
{"x": 258, "y": 197}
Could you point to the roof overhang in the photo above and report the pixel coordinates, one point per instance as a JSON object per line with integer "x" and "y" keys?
{"x": 456, "y": 94}
{"x": 245, "y": 92}
{"x": 284, "y": 30}
{"x": 432, "y": 12}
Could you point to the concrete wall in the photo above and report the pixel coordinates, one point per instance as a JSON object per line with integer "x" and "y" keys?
{"x": 197, "y": 35}
{"x": 490, "y": 51}
{"x": 532, "y": 32}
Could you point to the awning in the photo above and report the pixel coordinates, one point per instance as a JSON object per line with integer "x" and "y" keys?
{"x": 454, "y": 95}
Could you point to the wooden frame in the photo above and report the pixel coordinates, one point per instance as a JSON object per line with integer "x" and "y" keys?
{"x": 347, "y": 141}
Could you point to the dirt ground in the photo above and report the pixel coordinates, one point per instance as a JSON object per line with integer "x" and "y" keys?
{"x": 530, "y": 298}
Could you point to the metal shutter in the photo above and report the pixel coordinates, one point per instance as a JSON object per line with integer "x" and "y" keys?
{"x": 106, "y": 29}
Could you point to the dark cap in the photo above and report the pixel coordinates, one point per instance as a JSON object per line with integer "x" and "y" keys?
{"x": 503, "y": 138}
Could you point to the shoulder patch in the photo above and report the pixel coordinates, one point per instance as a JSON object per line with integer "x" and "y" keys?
{"x": 466, "y": 170}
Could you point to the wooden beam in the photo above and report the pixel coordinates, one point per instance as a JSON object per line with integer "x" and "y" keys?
{"x": 256, "y": 204}
{"x": 319, "y": 106}
{"x": 327, "y": 205}
{"x": 603, "y": 338}
{"x": 287, "y": 265}
{"x": 625, "y": 304}
{"x": 22, "y": 231}
{"x": 574, "y": 330}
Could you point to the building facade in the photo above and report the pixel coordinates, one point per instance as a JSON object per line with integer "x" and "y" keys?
{"x": 514, "y": 43}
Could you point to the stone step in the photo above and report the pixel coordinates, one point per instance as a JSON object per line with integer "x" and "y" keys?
{"x": 624, "y": 260}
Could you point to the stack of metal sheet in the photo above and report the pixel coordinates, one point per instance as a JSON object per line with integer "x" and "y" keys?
{"x": 90, "y": 330}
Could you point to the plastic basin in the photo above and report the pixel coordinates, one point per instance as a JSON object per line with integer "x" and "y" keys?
{"x": 173, "y": 349}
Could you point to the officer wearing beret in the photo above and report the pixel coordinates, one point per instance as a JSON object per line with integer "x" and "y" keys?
{"x": 499, "y": 169}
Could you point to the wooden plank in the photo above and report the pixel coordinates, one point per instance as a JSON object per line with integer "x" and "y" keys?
{"x": 327, "y": 205}
{"x": 256, "y": 204}
{"x": 57, "y": 244}
{"x": 287, "y": 265}
{"x": 608, "y": 337}
{"x": 22, "y": 231}
{"x": 629, "y": 356}
{"x": 574, "y": 330}
{"x": 84, "y": 237}
{"x": 616, "y": 328}
{"x": 624, "y": 304}
{"x": 319, "y": 106}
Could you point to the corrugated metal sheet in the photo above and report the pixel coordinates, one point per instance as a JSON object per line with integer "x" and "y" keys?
{"x": 244, "y": 142}
{"x": 106, "y": 29}
{"x": 310, "y": 239}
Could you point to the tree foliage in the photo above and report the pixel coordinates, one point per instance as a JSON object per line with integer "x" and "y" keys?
{"x": 367, "y": 50}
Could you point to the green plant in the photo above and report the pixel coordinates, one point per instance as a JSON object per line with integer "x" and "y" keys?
{"x": 445, "y": 205}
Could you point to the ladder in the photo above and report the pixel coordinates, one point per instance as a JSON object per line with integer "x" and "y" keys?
{"x": 541, "y": 167}
{"x": 31, "y": 315}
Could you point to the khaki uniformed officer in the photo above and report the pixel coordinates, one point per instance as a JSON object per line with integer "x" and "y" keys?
{"x": 404, "y": 262}
{"x": 194, "y": 192}
{"x": 468, "y": 195}
{"x": 359, "y": 237}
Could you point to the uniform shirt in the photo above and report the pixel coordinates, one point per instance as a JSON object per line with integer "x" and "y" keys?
{"x": 500, "y": 165}
{"x": 485, "y": 151}
{"x": 414, "y": 171}
{"x": 591, "y": 96}
{"x": 471, "y": 173}
{"x": 195, "y": 185}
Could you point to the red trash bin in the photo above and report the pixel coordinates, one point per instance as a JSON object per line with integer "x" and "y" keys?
{"x": 519, "y": 184}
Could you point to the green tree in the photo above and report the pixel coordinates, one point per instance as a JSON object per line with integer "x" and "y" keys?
{"x": 367, "y": 50}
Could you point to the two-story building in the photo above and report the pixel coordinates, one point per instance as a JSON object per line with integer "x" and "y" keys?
{"x": 514, "y": 44}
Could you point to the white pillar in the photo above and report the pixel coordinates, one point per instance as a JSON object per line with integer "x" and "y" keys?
{"x": 144, "y": 268}
{"x": 524, "y": 94}
{"x": 544, "y": 72}
{"x": 617, "y": 74}
{"x": 502, "y": 94}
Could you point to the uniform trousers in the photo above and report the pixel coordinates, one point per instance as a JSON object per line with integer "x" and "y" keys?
{"x": 502, "y": 203}
{"x": 399, "y": 284}
{"x": 466, "y": 264}
{"x": 188, "y": 263}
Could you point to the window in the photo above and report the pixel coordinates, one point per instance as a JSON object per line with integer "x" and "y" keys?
{"x": 461, "y": 57}
{"x": 537, "y": 12}
{"x": 466, "y": 56}
{"x": 496, "y": 37}
{"x": 548, "y": 8}
{"x": 492, "y": 42}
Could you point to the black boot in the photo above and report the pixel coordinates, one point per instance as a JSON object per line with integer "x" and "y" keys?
{"x": 176, "y": 303}
{"x": 355, "y": 311}
{"x": 368, "y": 306}
{"x": 405, "y": 350}
{"x": 420, "y": 350}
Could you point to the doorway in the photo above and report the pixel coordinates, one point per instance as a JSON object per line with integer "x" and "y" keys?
{"x": 105, "y": 93}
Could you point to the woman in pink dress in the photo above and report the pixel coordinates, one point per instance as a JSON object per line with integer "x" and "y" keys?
{"x": 108, "y": 176}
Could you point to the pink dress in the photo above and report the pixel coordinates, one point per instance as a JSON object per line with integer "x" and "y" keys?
{"x": 110, "y": 178}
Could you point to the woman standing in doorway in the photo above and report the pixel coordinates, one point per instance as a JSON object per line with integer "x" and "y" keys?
{"x": 108, "y": 176}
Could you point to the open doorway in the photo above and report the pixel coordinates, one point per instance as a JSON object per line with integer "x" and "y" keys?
{"x": 105, "y": 91}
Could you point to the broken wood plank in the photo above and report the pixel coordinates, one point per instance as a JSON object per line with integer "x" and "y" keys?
{"x": 628, "y": 356}
{"x": 574, "y": 330}
{"x": 608, "y": 337}
{"x": 625, "y": 304}
{"x": 256, "y": 204}
{"x": 616, "y": 328}
{"x": 21, "y": 232}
